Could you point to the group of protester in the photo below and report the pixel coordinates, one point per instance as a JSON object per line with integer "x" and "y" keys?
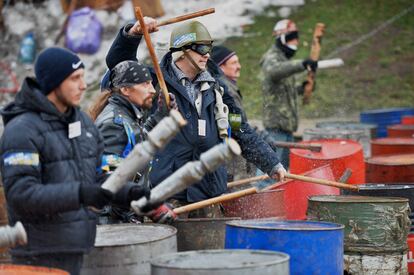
{"x": 54, "y": 157}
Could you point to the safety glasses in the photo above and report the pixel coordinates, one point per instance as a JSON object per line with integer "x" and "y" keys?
{"x": 202, "y": 49}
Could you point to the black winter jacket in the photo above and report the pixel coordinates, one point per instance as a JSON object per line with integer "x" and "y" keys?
{"x": 42, "y": 170}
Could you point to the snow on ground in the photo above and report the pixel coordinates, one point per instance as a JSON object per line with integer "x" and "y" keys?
{"x": 45, "y": 21}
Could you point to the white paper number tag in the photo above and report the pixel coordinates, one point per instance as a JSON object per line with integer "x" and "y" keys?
{"x": 74, "y": 129}
{"x": 202, "y": 127}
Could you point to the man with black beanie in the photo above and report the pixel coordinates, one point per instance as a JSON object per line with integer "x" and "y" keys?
{"x": 50, "y": 158}
{"x": 279, "y": 89}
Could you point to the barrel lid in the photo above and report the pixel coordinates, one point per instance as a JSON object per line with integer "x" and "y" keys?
{"x": 130, "y": 234}
{"x": 356, "y": 199}
{"x": 394, "y": 160}
{"x": 345, "y": 125}
{"x": 286, "y": 225}
{"x": 393, "y": 141}
{"x": 381, "y": 186}
{"x": 389, "y": 110}
{"x": 219, "y": 259}
{"x": 331, "y": 149}
{"x": 401, "y": 127}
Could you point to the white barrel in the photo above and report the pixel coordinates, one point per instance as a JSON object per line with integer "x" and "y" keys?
{"x": 222, "y": 262}
{"x": 376, "y": 264}
{"x": 124, "y": 249}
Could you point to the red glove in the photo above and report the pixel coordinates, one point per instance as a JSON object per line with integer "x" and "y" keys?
{"x": 162, "y": 214}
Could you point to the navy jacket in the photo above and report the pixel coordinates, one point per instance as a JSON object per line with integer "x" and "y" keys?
{"x": 42, "y": 170}
{"x": 188, "y": 145}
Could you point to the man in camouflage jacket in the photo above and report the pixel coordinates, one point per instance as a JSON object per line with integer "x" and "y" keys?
{"x": 280, "y": 93}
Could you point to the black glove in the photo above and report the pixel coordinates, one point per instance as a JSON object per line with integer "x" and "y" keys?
{"x": 310, "y": 64}
{"x": 138, "y": 191}
{"x": 94, "y": 195}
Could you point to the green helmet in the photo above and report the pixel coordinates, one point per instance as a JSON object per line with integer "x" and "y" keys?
{"x": 189, "y": 33}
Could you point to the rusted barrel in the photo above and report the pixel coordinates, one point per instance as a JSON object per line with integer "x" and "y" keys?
{"x": 376, "y": 229}
{"x": 370, "y": 131}
{"x": 267, "y": 204}
{"x": 128, "y": 248}
{"x": 390, "y": 169}
{"x": 410, "y": 254}
{"x": 201, "y": 234}
{"x": 384, "y": 118}
{"x": 359, "y": 135}
{"x": 401, "y": 130}
{"x": 392, "y": 146}
{"x": 9, "y": 269}
{"x": 222, "y": 262}
{"x": 407, "y": 120}
{"x": 340, "y": 154}
{"x": 297, "y": 192}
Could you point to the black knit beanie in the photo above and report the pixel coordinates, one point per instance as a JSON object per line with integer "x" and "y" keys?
{"x": 221, "y": 54}
{"x": 53, "y": 65}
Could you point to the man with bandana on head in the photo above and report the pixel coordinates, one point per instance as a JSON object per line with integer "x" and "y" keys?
{"x": 279, "y": 89}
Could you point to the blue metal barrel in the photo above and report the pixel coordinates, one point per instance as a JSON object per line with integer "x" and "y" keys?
{"x": 385, "y": 117}
{"x": 313, "y": 247}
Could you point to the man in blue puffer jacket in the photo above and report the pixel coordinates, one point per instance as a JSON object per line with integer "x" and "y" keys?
{"x": 193, "y": 79}
{"x": 50, "y": 152}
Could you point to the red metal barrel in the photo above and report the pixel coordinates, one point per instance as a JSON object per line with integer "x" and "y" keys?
{"x": 339, "y": 153}
{"x": 30, "y": 270}
{"x": 407, "y": 120}
{"x": 390, "y": 169}
{"x": 410, "y": 254}
{"x": 267, "y": 204}
{"x": 297, "y": 192}
{"x": 401, "y": 130}
{"x": 392, "y": 146}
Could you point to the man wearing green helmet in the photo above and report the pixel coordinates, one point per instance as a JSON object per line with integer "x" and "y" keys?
{"x": 203, "y": 101}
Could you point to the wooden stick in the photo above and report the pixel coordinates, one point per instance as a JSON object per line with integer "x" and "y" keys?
{"x": 186, "y": 17}
{"x": 154, "y": 59}
{"x": 314, "y": 55}
{"x": 246, "y": 181}
{"x": 253, "y": 190}
{"x": 315, "y": 147}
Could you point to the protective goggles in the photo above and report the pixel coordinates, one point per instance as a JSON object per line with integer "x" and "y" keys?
{"x": 202, "y": 49}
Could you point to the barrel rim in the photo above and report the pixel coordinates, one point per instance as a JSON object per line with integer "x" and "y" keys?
{"x": 387, "y": 110}
{"x": 334, "y": 226}
{"x": 344, "y": 123}
{"x": 34, "y": 268}
{"x": 314, "y": 155}
{"x": 394, "y": 141}
{"x": 382, "y": 160}
{"x": 173, "y": 232}
{"x": 393, "y": 186}
{"x": 366, "y": 199}
{"x": 157, "y": 262}
{"x": 219, "y": 219}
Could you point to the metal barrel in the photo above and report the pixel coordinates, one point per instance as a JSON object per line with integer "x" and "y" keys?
{"x": 222, "y": 262}
{"x": 201, "y": 233}
{"x": 390, "y": 168}
{"x": 372, "y": 224}
{"x": 369, "y": 129}
{"x": 313, "y": 247}
{"x": 384, "y": 117}
{"x": 401, "y": 130}
{"x": 266, "y": 204}
{"x": 128, "y": 248}
{"x": 10, "y": 269}
{"x": 340, "y": 154}
{"x": 392, "y": 146}
{"x": 361, "y": 136}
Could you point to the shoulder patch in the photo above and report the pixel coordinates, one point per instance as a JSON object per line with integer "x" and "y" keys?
{"x": 21, "y": 158}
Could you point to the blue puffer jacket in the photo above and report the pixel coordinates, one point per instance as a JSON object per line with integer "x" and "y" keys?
{"x": 42, "y": 170}
{"x": 188, "y": 145}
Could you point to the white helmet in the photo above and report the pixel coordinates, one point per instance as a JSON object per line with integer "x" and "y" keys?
{"x": 284, "y": 26}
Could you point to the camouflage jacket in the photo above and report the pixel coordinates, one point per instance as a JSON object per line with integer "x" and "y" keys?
{"x": 280, "y": 104}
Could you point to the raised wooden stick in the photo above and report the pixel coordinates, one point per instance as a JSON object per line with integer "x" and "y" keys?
{"x": 154, "y": 59}
{"x": 314, "y": 55}
{"x": 186, "y": 17}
